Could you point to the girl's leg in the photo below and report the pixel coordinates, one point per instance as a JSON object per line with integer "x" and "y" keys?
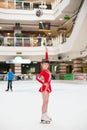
{"x": 45, "y": 97}
{"x": 45, "y": 118}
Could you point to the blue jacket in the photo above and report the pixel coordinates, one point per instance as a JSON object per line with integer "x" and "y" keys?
{"x": 10, "y": 75}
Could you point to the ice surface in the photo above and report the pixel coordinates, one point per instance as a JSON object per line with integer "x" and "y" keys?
{"x": 21, "y": 109}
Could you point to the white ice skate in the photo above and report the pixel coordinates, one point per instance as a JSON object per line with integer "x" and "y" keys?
{"x": 49, "y": 118}
{"x": 45, "y": 119}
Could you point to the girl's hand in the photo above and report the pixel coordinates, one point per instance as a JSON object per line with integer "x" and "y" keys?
{"x": 46, "y": 84}
{"x": 47, "y": 87}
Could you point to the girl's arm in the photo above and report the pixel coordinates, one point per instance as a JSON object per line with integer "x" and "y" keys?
{"x": 40, "y": 78}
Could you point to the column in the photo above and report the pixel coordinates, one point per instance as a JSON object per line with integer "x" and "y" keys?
{"x": 14, "y": 4}
{"x": 6, "y": 3}
{"x": 60, "y": 39}
{"x": 31, "y": 5}
{"x": 17, "y": 69}
{"x": 77, "y": 65}
{"x": 61, "y": 68}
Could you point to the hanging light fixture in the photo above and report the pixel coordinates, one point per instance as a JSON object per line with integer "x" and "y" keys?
{"x": 39, "y": 12}
{"x": 43, "y": 5}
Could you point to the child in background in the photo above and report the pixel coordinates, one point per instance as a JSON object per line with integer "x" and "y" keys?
{"x": 45, "y": 79}
{"x": 10, "y": 75}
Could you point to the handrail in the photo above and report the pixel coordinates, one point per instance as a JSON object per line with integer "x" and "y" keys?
{"x": 26, "y": 41}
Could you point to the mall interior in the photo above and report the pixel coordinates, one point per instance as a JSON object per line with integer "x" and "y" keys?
{"x": 27, "y": 27}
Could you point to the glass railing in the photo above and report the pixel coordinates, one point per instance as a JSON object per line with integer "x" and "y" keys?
{"x": 26, "y": 5}
{"x": 26, "y": 41}
{"x": 31, "y": 41}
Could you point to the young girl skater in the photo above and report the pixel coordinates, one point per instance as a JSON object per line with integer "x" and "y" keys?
{"x": 45, "y": 79}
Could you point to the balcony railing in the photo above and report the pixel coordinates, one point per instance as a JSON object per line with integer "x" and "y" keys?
{"x": 32, "y": 41}
{"x": 26, "y": 41}
{"x": 21, "y": 5}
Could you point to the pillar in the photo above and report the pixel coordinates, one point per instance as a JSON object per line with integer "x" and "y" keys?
{"x": 6, "y": 3}
{"x": 77, "y": 65}
{"x": 17, "y": 69}
{"x": 62, "y": 68}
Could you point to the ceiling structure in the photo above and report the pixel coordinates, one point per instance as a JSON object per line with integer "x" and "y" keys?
{"x": 60, "y": 23}
{"x": 57, "y": 26}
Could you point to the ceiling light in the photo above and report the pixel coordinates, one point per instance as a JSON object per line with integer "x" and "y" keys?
{"x": 0, "y": 27}
{"x": 49, "y": 33}
{"x": 70, "y": 59}
{"x": 43, "y": 5}
{"x": 60, "y": 19}
{"x": 34, "y": 62}
{"x": 41, "y": 22}
{"x": 8, "y": 34}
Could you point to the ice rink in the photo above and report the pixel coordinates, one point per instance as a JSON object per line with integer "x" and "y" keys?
{"x": 21, "y": 109}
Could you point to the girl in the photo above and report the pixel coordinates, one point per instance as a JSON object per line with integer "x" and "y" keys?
{"x": 45, "y": 79}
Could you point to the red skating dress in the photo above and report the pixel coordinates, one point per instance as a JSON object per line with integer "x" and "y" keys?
{"x": 44, "y": 78}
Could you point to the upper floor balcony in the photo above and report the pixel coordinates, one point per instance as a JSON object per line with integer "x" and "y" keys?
{"x": 28, "y": 5}
{"x": 25, "y": 41}
{"x": 31, "y": 41}
{"x": 26, "y": 10}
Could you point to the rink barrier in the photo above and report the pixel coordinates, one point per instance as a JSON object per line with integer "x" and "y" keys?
{"x": 75, "y": 76}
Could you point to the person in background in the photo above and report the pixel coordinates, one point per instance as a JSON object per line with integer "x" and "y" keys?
{"x": 10, "y": 75}
{"x": 45, "y": 79}
{"x": 39, "y": 40}
{"x": 1, "y": 39}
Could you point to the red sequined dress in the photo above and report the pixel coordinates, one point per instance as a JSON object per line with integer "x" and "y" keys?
{"x": 45, "y": 79}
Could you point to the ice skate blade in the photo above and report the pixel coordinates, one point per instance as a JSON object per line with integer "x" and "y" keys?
{"x": 45, "y": 122}
{"x": 50, "y": 119}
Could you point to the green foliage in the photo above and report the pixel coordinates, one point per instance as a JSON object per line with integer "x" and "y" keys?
{"x": 18, "y": 35}
{"x": 66, "y": 17}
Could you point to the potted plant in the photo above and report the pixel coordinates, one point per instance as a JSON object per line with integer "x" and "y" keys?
{"x": 18, "y": 35}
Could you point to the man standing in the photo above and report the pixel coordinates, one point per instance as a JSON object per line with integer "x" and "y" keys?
{"x": 10, "y": 75}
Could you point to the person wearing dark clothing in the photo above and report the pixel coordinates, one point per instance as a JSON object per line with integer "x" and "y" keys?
{"x": 10, "y": 75}
{"x": 39, "y": 40}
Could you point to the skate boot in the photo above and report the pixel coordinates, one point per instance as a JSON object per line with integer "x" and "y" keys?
{"x": 45, "y": 119}
{"x": 49, "y": 118}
